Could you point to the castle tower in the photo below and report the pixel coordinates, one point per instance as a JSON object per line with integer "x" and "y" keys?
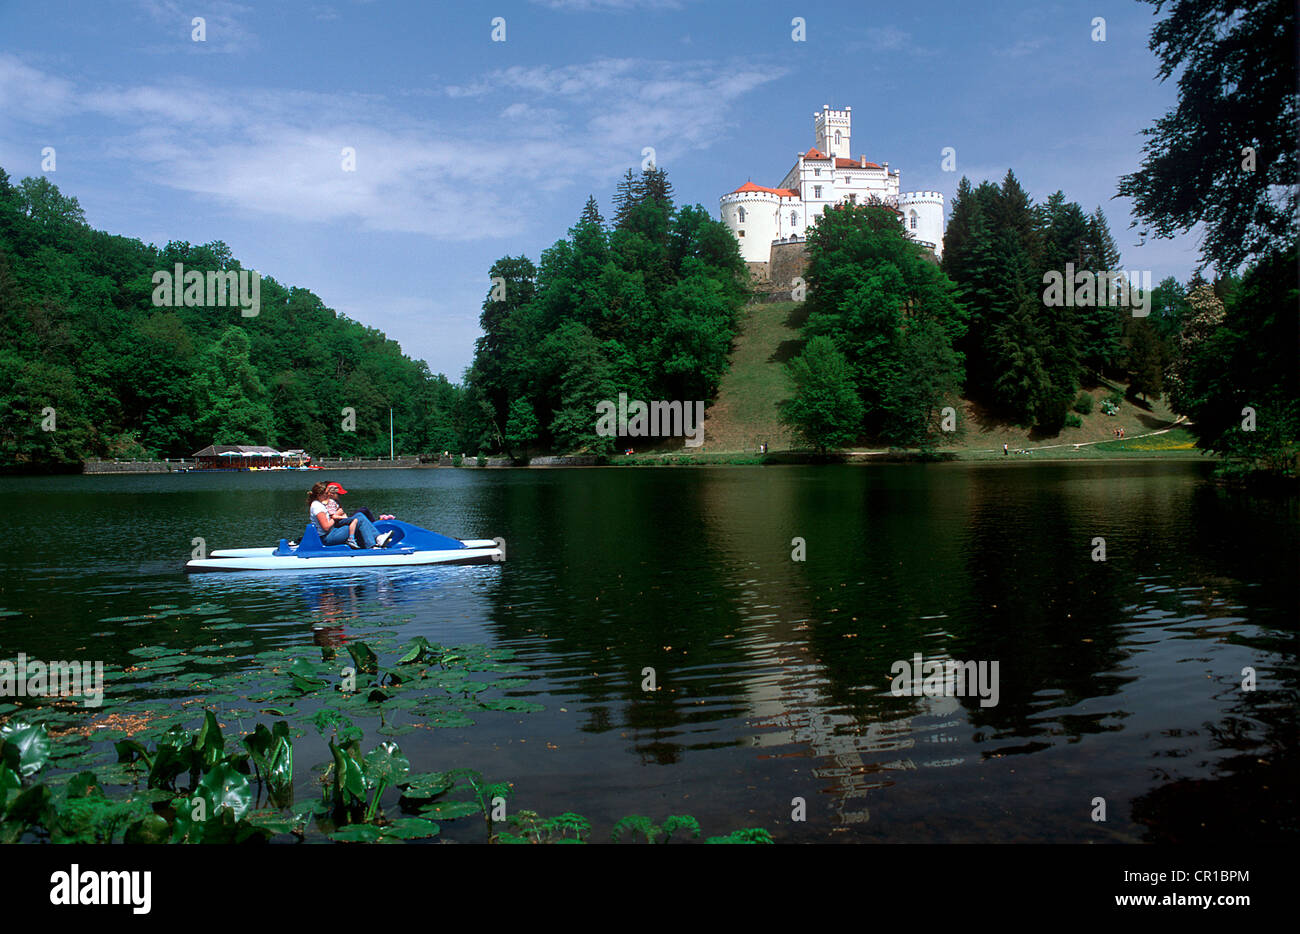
{"x": 832, "y": 127}
{"x": 923, "y": 217}
{"x": 754, "y": 215}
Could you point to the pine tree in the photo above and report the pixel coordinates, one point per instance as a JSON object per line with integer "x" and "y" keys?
{"x": 627, "y": 195}
{"x": 591, "y": 213}
{"x": 984, "y": 281}
{"x": 957, "y": 233}
{"x": 1014, "y": 212}
{"x": 1101, "y": 324}
{"x": 1145, "y": 362}
{"x": 655, "y": 185}
{"x": 1021, "y": 380}
{"x": 1102, "y": 250}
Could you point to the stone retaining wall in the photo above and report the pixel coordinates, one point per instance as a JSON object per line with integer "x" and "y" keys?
{"x": 580, "y": 460}
{"x": 100, "y": 467}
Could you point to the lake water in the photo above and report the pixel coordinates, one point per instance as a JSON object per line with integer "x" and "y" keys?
{"x": 1117, "y": 679}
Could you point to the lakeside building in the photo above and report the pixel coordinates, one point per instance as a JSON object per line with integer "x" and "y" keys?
{"x": 247, "y": 456}
{"x": 768, "y": 221}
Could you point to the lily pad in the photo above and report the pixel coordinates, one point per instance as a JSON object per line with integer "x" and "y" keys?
{"x": 450, "y": 810}
{"x": 411, "y": 828}
{"x": 395, "y": 729}
{"x": 151, "y": 651}
{"x": 427, "y": 785}
{"x": 513, "y": 703}
{"x": 356, "y": 833}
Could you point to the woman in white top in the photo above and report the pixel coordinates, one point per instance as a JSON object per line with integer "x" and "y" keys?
{"x": 337, "y": 527}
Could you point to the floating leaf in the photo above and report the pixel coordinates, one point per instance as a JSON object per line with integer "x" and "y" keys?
{"x": 395, "y": 729}
{"x": 513, "y": 703}
{"x": 357, "y": 833}
{"x": 151, "y": 651}
{"x": 411, "y": 828}
{"x": 451, "y": 810}
{"x": 304, "y": 676}
{"x": 427, "y": 785}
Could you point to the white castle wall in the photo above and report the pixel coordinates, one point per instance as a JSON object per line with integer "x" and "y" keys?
{"x": 760, "y": 225}
{"x": 925, "y": 208}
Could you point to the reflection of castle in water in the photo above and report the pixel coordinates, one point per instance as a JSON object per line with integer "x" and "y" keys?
{"x": 789, "y": 707}
{"x": 858, "y": 755}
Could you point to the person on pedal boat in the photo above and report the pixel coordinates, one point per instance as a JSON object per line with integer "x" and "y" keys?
{"x": 337, "y": 527}
{"x": 333, "y": 505}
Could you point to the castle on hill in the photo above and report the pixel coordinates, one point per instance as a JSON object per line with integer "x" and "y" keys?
{"x": 766, "y": 220}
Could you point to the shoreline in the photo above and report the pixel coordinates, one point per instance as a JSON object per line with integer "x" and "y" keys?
{"x": 722, "y": 459}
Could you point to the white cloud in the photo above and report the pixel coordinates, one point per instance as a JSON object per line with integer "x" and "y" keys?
{"x": 887, "y": 38}
{"x": 1021, "y": 48}
{"x": 31, "y": 94}
{"x": 278, "y": 152}
{"x": 224, "y": 26}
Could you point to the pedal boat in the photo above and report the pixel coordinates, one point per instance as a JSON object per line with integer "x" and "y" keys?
{"x": 410, "y": 545}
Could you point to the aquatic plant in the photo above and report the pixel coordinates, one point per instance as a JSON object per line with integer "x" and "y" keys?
{"x": 635, "y": 824}
{"x": 200, "y": 788}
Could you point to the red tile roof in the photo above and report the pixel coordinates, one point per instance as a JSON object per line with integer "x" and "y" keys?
{"x": 783, "y": 192}
{"x": 814, "y": 154}
{"x": 854, "y": 164}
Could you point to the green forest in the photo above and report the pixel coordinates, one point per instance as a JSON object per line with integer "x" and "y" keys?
{"x": 80, "y": 335}
{"x": 646, "y": 305}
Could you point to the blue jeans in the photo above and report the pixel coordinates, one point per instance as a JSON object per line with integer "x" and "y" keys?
{"x": 339, "y": 534}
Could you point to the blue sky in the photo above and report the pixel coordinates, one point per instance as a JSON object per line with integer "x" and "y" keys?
{"x": 469, "y": 149}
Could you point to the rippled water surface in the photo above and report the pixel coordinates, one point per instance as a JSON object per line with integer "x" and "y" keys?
{"x": 1118, "y": 679}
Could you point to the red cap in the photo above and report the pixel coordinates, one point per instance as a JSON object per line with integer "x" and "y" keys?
{"x": 335, "y": 487}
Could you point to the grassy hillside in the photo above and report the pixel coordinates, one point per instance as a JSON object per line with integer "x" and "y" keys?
{"x": 745, "y": 411}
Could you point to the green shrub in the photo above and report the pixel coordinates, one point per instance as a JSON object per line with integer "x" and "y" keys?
{"x": 1073, "y": 421}
{"x": 1083, "y": 404}
{"x": 1115, "y": 399}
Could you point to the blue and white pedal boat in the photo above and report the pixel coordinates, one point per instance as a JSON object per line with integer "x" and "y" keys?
{"x": 409, "y": 545}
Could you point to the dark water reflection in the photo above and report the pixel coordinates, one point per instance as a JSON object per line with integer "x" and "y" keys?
{"x": 1118, "y": 679}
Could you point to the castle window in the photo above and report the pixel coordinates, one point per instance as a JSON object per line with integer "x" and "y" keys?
{"x": 794, "y": 218}
{"x": 817, "y": 191}
{"x": 913, "y": 218}
{"x": 741, "y": 215}
{"x": 817, "y": 171}
{"x": 837, "y": 137}
{"x": 742, "y": 233}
